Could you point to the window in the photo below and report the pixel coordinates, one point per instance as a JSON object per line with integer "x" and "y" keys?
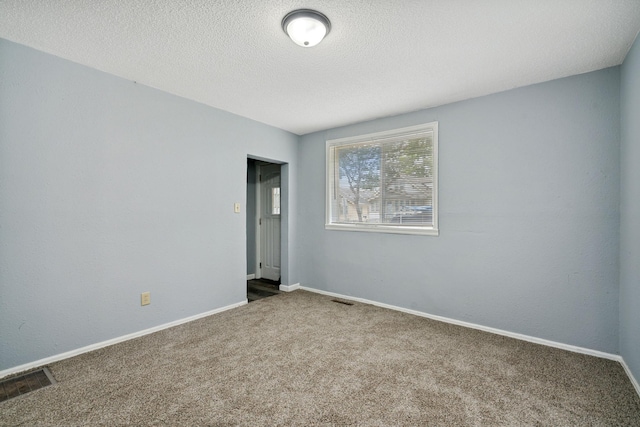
{"x": 384, "y": 182}
{"x": 275, "y": 201}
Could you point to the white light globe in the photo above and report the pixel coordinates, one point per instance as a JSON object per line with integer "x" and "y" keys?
{"x": 306, "y": 32}
{"x": 306, "y": 27}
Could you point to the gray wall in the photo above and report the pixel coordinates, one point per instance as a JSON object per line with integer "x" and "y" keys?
{"x": 528, "y": 196}
{"x": 109, "y": 189}
{"x": 630, "y": 212}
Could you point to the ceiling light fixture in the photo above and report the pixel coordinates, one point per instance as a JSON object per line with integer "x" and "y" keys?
{"x": 306, "y": 27}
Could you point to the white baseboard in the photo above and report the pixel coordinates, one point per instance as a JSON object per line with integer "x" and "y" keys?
{"x": 522, "y": 337}
{"x": 68, "y": 354}
{"x": 289, "y": 288}
{"x": 633, "y": 380}
{"x": 251, "y": 276}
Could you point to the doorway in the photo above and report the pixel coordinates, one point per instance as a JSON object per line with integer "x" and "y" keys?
{"x": 268, "y": 249}
{"x": 264, "y": 225}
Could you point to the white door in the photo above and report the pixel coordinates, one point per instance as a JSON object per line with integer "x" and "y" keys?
{"x": 269, "y": 222}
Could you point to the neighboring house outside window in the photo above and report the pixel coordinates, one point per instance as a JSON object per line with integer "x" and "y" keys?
{"x": 384, "y": 182}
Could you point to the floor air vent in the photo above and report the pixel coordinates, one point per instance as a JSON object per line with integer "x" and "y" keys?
{"x": 23, "y": 384}
{"x": 342, "y": 302}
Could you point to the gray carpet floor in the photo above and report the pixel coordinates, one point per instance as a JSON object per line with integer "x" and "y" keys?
{"x": 299, "y": 359}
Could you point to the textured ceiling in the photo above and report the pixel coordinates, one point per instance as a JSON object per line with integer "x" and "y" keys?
{"x": 382, "y": 57}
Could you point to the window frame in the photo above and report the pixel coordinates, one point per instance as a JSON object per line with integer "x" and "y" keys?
{"x": 377, "y": 137}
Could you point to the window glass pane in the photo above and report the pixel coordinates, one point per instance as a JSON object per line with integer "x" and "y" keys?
{"x": 358, "y": 181}
{"x": 385, "y": 182}
{"x": 275, "y": 201}
{"x": 408, "y": 182}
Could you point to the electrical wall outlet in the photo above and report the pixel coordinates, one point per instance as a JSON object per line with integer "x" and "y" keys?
{"x": 145, "y": 298}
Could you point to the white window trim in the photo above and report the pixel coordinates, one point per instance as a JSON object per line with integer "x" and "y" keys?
{"x": 383, "y": 228}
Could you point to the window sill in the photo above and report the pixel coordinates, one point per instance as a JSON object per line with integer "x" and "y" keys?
{"x": 392, "y": 229}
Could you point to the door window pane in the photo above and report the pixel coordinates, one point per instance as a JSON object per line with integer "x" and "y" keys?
{"x": 275, "y": 201}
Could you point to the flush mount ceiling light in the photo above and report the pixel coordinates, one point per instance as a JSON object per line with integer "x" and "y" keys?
{"x": 306, "y": 27}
